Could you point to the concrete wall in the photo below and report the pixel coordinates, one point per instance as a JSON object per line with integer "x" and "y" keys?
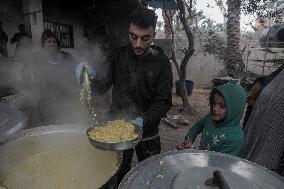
{"x": 254, "y": 55}
{"x": 201, "y": 69}
{"x": 33, "y": 17}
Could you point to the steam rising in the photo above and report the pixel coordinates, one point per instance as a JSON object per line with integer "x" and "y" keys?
{"x": 44, "y": 90}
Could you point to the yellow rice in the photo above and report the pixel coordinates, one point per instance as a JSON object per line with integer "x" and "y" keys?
{"x": 114, "y": 131}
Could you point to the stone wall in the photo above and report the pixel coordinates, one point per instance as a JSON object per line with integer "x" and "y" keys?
{"x": 201, "y": 69}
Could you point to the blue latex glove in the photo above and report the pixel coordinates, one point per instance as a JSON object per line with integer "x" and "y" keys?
{"x": 79, "y": 69}
{"x": 137, "y": 121}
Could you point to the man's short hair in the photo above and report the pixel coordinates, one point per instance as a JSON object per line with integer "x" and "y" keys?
{"x": 143, "y": 18}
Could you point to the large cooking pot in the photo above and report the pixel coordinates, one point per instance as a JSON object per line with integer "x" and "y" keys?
{"x": 11, "y": 121}
{"x": 199, "y": 169}
{"x": 55, "y": 157}
{"x": 272, "y": 36}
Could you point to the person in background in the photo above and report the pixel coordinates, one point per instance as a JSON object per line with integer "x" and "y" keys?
{"x": 264, "y": 131}
{"x": 256, "y": 89}
{"x": 22, "y": 40}
{"x": 50, "y": 74}
{"x": 221, "y": 130}
{"x": 3, "y": 42}
{"x": 141, "y": 79}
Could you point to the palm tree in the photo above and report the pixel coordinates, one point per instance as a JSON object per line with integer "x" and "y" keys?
{"x": 233, "y": 58}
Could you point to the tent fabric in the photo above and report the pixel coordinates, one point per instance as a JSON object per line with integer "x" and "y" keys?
{"x": 163, "y": 4}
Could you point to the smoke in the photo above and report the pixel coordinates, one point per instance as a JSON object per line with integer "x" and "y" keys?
{"x": 94, "y": 56}
{"x": 45, "y": 86}
{"x": 49, "y": 94}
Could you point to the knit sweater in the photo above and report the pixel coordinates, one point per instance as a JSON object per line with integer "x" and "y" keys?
{"x": 264, "y": 133}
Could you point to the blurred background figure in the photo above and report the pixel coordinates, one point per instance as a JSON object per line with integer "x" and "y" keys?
{"x": 3, "y": 42}
{"x": 22, "y": 40}
{"x": 50, "y": 75}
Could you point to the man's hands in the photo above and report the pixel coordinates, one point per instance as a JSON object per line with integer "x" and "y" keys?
{"x": 137, "y": 121}
{"x": 184, "y": 145}
{"x": 90, "y": 69}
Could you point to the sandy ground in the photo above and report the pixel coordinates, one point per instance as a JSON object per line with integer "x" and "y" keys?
{"x": 199, "y": 105}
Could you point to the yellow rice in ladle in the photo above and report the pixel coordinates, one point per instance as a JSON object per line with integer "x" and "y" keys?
{"x": 114, "y": 131}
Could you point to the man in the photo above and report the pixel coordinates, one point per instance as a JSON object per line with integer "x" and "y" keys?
{"x": 141, "y": 79}
{"x": 22, "y": 40}
{"x": 3, "y": 42}
{"x": 49, "y": 73}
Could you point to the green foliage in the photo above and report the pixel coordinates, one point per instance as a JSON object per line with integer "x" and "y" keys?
{"x": 206, "y": 31}
{"x": 253, "y": 6}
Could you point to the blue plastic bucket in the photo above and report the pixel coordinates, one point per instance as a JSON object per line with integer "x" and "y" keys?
{"x": 188, "y": 86}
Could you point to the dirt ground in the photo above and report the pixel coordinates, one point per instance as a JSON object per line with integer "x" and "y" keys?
{"x": 170, "y": 135}
{"x": 199, "y": 105}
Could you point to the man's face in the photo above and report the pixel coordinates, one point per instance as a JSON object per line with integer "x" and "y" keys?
{"x": 141, "y": 38}
{"x": 51, "y": 44}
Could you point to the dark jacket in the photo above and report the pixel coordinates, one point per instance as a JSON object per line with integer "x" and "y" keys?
{"x": 18, "y": 37}
{"x": 3, "y": 37}
{"x": 52, "y": 79}
{"x": 46, "y": 72}
{"x": 141, "y": 86}
{"x": 23, "y": 43}
{"x": 227, "y": 136}
{"x": 264, "y": 132}
{"x": 3, "y": 43}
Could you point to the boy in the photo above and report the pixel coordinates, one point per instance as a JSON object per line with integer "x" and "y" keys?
{"x": 221, "y": 130}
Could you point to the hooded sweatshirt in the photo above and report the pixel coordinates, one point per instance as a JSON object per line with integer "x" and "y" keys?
{"x": 141, "y": 86}
{"x": 226, "y": 136}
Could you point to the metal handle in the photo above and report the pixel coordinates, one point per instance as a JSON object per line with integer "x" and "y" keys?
{"x": 220, "y": 180}
{"x": 217, "y": 180}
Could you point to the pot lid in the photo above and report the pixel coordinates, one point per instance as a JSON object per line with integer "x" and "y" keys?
{"x": 11, "y": 121}
{"x": 194, "y": 169}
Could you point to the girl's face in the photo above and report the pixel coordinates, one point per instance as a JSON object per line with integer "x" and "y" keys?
{"x": 219, "y": 109}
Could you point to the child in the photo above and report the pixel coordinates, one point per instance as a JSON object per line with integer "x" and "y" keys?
{"x": 221, "y": 130}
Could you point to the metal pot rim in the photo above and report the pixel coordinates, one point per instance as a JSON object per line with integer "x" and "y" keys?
{"x": 70, "y": 128}
{"x": 191, "y": 151}
{"x": 46, "y": 130}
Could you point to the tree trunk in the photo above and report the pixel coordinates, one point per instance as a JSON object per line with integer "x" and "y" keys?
{"x": 188, "y": 52}
{"x": 233, "y": 58}
{"x": 168, "y": 21}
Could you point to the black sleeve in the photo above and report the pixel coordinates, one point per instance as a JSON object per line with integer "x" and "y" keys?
{"x": 14, "y": 39}
{"x": 5, "y": 37}
{"x": 163, "y": 98}
{"x": 104, "y": 74}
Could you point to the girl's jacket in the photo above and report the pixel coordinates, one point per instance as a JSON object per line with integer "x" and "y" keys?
{"x": 227, "y": 136}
